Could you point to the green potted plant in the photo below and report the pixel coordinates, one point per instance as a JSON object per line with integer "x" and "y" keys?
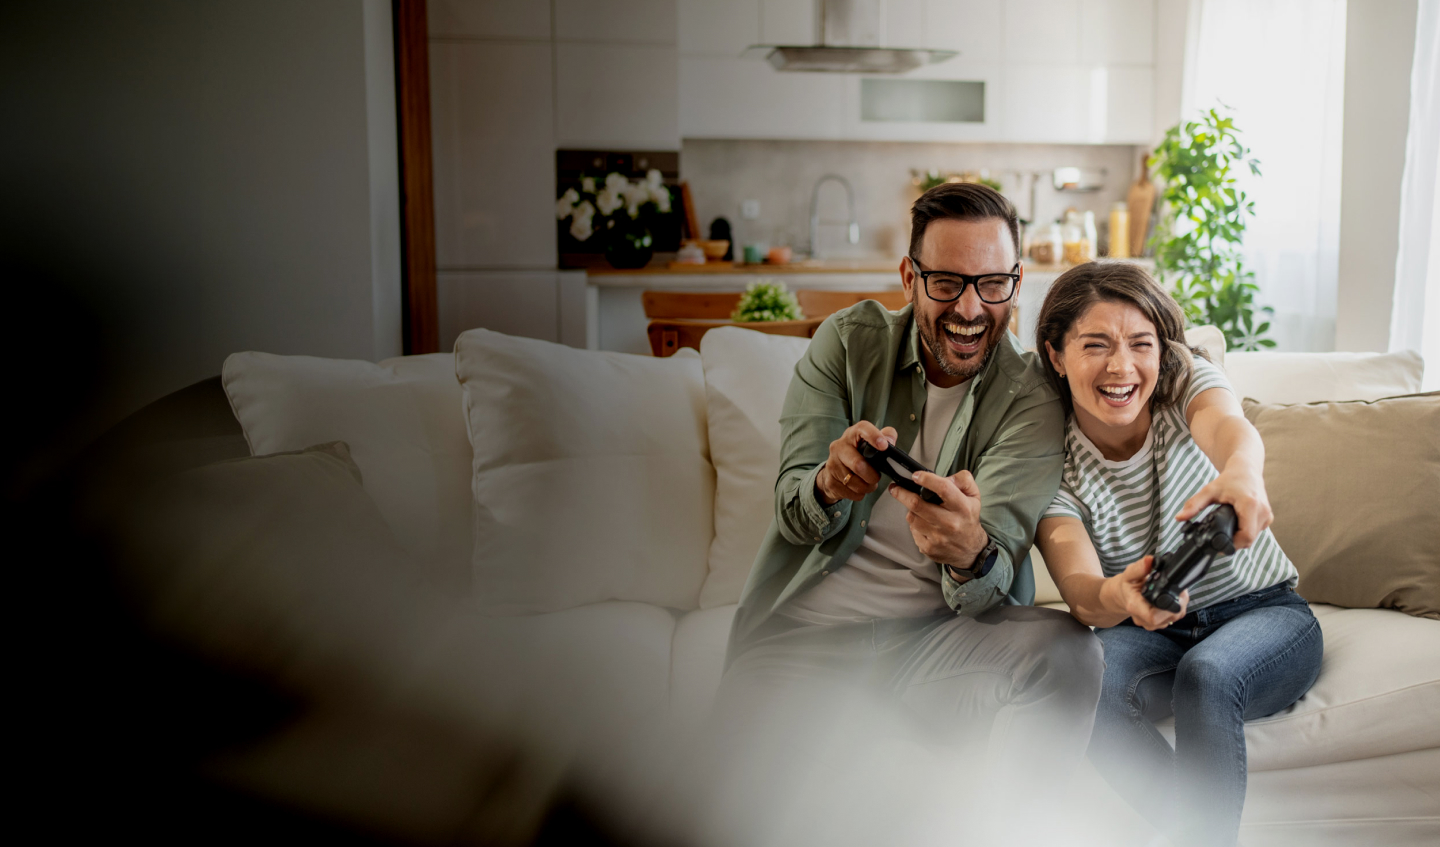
{"x": 1202, "y": 226}
{"x": 767, "y": 300}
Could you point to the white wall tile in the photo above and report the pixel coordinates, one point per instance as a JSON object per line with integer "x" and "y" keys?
{"x": 788, "y": 22}
{"x": 489, "y": 18}
{"x": 1042, "y": 31}
{"x": 617, "y": 95}
{"x": 1117, "y": 32}
{"x": 492, "y": 129}
{"x": 718, "y": 27}
{"x": 524, "y": 303}
{"x": 971, "y": 26}
{"x": 651, "y": 21}
{"x": 746, "y": 98}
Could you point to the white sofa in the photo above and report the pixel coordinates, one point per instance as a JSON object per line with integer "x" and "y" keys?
{"x": 615, "y": 502}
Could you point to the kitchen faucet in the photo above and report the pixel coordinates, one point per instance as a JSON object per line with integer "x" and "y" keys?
{"x": 854, "y": 228}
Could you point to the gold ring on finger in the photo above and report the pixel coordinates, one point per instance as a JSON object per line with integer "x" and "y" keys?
{"x": 846, "y": 480}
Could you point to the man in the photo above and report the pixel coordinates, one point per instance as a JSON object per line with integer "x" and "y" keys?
{"x": 861, "y": 580}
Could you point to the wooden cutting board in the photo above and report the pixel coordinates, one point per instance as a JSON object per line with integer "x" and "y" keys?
{"x": 1141, "y": 200}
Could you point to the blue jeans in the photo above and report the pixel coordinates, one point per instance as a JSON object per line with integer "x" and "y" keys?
{"x": 1213, "y": 669}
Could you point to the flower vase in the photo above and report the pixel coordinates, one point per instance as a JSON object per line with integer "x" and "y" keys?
{"x": 629, "y": 246}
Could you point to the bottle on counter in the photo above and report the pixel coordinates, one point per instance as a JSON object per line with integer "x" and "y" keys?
{"x": 1091, "y": 237}
{"x": 1120, "y": 231}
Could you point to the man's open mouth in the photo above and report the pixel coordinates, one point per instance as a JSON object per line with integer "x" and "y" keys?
{"x": 1118, "y": 395}
{"x": 964, "y": 339}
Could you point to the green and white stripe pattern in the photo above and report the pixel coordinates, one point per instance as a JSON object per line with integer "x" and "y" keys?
{"x": 1126, "y": 518}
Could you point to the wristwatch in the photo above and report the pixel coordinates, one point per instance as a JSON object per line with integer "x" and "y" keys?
{"x": 983, "y": 563}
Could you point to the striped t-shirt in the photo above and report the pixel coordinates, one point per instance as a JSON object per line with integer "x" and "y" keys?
{"x": 1127, "y": 518}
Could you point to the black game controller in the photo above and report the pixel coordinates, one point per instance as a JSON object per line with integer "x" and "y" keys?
{"x": 890, "y": 460}
{"x": 1201, "y": 542}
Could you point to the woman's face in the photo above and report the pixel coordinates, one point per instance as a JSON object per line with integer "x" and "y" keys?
{"x": 1111, "y": 360}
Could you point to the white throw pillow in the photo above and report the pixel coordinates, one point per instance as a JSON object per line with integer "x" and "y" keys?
{"x": 1318, "y": 377}
{"x": 746, "y": 376}
{"x": 403, "y": 421}
{"x": 592, "y": 477}
{"x": 1211, "y": 340}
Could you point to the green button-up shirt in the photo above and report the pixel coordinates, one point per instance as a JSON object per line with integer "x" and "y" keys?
{"x": 864, "y": 364}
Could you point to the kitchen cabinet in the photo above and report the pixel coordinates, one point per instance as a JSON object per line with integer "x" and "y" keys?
{"x": 645, "y": 21}
{"x": 492, "y": 134}
{"x": 717, "y": 27}
{"x": 616, "y": 96}
{"x": 548, "y": 305}
{"x": 1055, "y": 71}
{"x": 489, "y": 18}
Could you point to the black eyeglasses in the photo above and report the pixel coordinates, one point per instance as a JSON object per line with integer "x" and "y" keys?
{"x": 946, "y": 287}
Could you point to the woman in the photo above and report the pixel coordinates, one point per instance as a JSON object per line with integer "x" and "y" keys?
{"x": 1154, "y": 436}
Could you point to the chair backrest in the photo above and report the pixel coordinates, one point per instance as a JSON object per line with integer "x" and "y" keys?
{"x": 668, "y": 336}
{"x": 819, "y": 304}
{"x": 690, "y": 304}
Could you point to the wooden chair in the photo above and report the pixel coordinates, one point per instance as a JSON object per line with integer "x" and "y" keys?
{"x": 669, "y": 335}
{"x": 820, "y": 304}
{"x": 690, "y": 305}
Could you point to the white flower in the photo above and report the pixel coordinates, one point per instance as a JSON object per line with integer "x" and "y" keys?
{"x": 608, "y": 201}
{"x": 654, "y": 178}
{"x": 633, "y": 209}
{"x": 616, "y": 183}
{"x": 566, "y": 204}
{"x": 661, "y": 198}
{"x": 581, "y": 226}
{"x": 587, "y": 184}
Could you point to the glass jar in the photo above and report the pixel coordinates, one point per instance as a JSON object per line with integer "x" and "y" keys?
{"x": 1091, "y": 237}
{"x": 1074, "y": 238}
{"x": 1120, "y": 231}
{"x": 1048, "y": 246}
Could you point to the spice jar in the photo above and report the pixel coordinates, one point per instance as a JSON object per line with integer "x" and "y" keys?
{"x": 1048, "y": 246}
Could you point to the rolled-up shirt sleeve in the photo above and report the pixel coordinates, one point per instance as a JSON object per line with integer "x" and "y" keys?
{"x": 815, "y": 414}
{"x": 1018, "y": 475}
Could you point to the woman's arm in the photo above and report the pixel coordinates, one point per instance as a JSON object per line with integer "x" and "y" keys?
{"x": 1093, "y": 599}
{"x": 1234, "y": 447}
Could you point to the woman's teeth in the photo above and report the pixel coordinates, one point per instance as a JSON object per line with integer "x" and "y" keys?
{"x": 1118, "y": 393}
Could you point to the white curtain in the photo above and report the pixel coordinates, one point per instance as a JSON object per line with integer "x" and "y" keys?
{"x": 1281, "y": 65}
{"x": 1415, "y": 323}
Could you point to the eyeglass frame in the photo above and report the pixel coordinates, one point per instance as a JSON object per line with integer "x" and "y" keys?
{"x": 970, "y": 280}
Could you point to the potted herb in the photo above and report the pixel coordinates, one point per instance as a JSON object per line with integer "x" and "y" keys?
{"x": 1202, "y": 225}
{"x": 767, "y": 300}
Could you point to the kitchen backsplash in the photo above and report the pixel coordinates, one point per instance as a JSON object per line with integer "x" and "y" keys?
{"x": 780, "y": 176}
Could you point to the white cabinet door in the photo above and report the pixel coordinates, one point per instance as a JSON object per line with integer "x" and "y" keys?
{"x": 1042, "y": 31}
{"x": 789, "y": 22}
{"x": 971, "y": 26}
{"x": 1047, "y": 103}
{"x": 646, "y": 21}
{"x": 746, "y": 98}
{"x": 855, "y": 127}
{"x": 1130, "y": 105}
{"x": 493, "y": 146}
{"x": 489, "y": 18}
{"x": 1117, "y": 32}
{"x": 617, "y": 96}
{"x": 903, "y": 23}
{"x": 718, "y": 27}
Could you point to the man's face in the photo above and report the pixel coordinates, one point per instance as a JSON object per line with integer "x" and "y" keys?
{"x": 958, "y": 337}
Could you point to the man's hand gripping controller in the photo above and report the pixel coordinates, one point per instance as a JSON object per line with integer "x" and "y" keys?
{"x": 1202, "y": 541}
{"x": 890, "y": 460}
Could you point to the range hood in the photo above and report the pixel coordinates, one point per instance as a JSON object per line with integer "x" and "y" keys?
{"x": 849, "y": 35}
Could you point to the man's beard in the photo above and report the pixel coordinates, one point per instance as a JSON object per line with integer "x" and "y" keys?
{"x": 934, "y": 338}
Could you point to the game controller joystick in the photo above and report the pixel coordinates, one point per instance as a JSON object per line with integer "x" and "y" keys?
{"x": 891, "y": 461}
{"x": 1203, "y": 540}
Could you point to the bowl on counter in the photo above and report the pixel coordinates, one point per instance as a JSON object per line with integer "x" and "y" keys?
{"x": 715, "y": 249}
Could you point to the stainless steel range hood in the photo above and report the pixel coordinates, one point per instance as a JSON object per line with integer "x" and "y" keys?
{"x": 849, "y": 35}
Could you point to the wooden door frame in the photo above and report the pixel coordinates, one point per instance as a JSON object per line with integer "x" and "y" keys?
{"x": 419, "y": 308}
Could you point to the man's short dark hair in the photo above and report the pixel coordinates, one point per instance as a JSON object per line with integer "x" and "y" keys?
{"x": 962, "y": 201}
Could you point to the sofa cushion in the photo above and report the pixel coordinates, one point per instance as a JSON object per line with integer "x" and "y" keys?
{"x": 1312, "y": 377}
{"x": 1377, "y": 695}
{"x": 746, "y": 376}
{"x": 698, "y": 661}
{"x": 1210, "y": 339}
{"x": 1356, "y": 493}
{"x": 402, "y": 419}
{"x": 592, "y": 478}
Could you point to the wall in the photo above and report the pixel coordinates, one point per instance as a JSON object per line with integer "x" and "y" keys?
{"x": 782, "y": 174}
{"x": 202, "y": 178}
{"x": 1379, "y": 48}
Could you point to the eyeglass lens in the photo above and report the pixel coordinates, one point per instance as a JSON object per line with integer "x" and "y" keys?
{"x": 992, "y": 289}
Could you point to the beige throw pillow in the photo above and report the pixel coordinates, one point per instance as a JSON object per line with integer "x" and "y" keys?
{"x": 1356, "y": 491}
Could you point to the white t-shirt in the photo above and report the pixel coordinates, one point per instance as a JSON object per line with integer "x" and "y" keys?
{"x": 1128, "y": 507}
{"x": 887, "y": 576}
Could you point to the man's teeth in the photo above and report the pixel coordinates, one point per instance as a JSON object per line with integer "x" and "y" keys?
{"x": 964, "y": 331}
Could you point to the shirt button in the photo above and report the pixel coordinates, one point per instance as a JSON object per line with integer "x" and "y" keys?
{"x": 824, "y": 573}
{"x": 837, "y": 514}
{"x": 912, "y": 417}
{"x": 919, "y": 369}
{"x": 862, "y": 523}
{"x": 817, "y": 538}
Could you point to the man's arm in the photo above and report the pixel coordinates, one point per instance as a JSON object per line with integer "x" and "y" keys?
{"x": 1016, "y": 478}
